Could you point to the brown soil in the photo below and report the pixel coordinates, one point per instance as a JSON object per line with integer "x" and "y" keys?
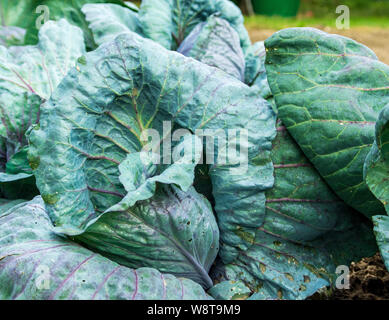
{"x": 369, "y": 280}
{"x": 375, "y": 38}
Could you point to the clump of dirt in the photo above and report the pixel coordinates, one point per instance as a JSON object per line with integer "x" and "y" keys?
{"x": 369, "y": 280}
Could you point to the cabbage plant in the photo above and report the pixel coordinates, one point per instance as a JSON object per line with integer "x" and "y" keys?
{"x": 114, "y": 220}
{"x": 28, "y": 76}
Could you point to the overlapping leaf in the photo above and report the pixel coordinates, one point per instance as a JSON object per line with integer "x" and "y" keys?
{"x": 306, "y": 233}
{"x": 37, "y": 264}
{"x": 216, "y": 44}
{"x": 29, "y": 74}
{"x": 174, "y": 232}
{"x": 169, "y": 22}
{"x": 107, "y": 21}
{"x": 329, "y": 91}
{"x": 376, "y": 173}
{"x": 139, "y": 174}
{"x": 303, "y": 217}
{"x": 31, "y": 14}
{"x": 255, "y": 72}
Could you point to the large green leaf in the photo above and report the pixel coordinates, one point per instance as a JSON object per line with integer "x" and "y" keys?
{"x": 174, "y": 232}
{"x": 212, "y": 41}
{"x": 37, "y": 264}
{"x": 17, "y": 181}
{"x": 95, "y": 119}
{"x": 107, "y": 21}
{"x": 306, "y": 233}
{"x": 32, "y": 13}
{"x": 329, "y": 91}
{"x": 169, "y": 22}
{"x": 139, "y": 174}
{"x": 215, "y": 43}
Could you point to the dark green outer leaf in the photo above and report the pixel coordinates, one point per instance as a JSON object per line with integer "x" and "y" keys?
{"x": 216, "y": 44}
{"x": 74, "y": 142}
{"x": 255, "y": 72}
{"x": 306, "y": 233}
{"x": 16, "y": 186}
{"x": 329, "y": 91}
{"x": 30, "y": 250}
{"x": 169, "y": 22}
{"x": 18, "y": 163}
{"x": 174, "y": 232}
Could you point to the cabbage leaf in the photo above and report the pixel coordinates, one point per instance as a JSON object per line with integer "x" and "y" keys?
{"x": 376, "y": 172}
{"x": 215, "y": 43}
{"x": 37, "y": 264}
{"x": 306, "y": 233}
{"x": 329, "y": 90}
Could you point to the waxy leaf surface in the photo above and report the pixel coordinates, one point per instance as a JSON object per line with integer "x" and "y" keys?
{"x": 216, "y": 44}
{"x": 306, "y": 233}
{"x": 173, "y": 232}
{"x": 329, "y": 90}
{"x": 37, "y": 264}
{"x": 28, "y": 76}
{"x": 95, "y": 119}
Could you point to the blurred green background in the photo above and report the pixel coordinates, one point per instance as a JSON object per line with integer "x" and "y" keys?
{"x": 314, "y": 12}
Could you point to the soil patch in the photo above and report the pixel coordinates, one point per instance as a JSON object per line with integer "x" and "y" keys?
{"x": 369, "y": 280}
